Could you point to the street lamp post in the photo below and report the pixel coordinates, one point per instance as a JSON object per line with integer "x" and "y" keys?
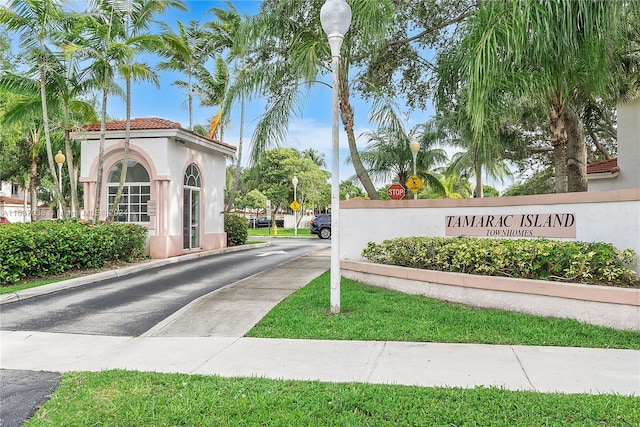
{"x": 335, "y": 17}
{"x": 294, "y": 181}
{"x": 60, "y": 158}
{"x": 414, "y": 145}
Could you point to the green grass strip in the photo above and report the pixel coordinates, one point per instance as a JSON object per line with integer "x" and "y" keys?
{"x": 119, "y": 398}
{"x": 371, "y": 313}
{"x": 32, "y": 284}
{"x": 287, "y": 232}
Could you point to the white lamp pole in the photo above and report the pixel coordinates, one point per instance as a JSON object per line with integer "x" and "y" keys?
{"x": 414, "y": 145}
{"x": 294, "y": 181}
{"x": 60, "y": 158}
{"x": 335, "y": 17}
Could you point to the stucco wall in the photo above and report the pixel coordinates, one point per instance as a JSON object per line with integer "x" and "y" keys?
{"x": 604, "y": 216}
{"x": 599, "y": 305}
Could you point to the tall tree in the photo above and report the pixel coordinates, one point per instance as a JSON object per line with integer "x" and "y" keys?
{"x": 288, "y": 53}
{"x": 136, "y": 16}
{"x": 572, "y": 51}
{"x": 316, "y": 156}
{"x": 224, "y": 32}
{"x": 388, "y": 155}
{"x": 185, "y": 51}
{"x": 34, "y": 20}
{"x": 69, "y": 83}
{"x": 104, "y": 53}
{"x": 64, "y": 107}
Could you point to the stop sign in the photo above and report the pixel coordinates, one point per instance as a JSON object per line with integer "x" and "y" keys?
{"x": 395, "y": 191}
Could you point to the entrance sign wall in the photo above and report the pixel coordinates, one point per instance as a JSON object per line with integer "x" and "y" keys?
{"x": 603, "y": 216}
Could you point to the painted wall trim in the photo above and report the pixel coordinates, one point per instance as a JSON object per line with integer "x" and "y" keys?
{"x": 600, "y": 305}
{"x": 626, "y": 195}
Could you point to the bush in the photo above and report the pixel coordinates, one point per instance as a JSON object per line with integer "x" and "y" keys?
{"x": 236, "y": 228}
{"x": 52, "y": 247}
{"x": 541, "y": 259}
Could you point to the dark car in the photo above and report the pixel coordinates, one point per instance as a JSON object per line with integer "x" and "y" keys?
{"x": 263, "y": 222}
{"x": 321, "y": 225}
{"x": 4, "y": 220}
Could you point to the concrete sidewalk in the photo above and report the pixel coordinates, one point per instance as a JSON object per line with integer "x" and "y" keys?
{"x": 543, "y": 369}
{"x": 206, "y": 337}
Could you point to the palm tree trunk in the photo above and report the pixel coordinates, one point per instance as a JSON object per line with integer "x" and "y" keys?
{"x": 103, "y": 132}
{"x": 478, "y": 190}
{"x": 71, "y": 169}
{"x": 190, "y": 100}
{"x": 346, "y": 113}
{"x": 33, "y": 180}
{"x": 559, "y": 144}
{"x": 47, "y": 132}
{"x": 576, "y": 153}
{"x": 125, "y": 156}
{"x": 236, "y": 172}
{"x": 26, "y": 187}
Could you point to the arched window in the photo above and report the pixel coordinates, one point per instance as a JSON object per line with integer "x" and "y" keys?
{"x": 135, "y": 194}
{"x": 192, "y": 176}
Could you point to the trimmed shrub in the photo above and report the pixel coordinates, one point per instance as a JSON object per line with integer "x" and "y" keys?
{"x": 52, "y": 247}
{"x": 542, "y": 259}
{"x": 236, "y": 227}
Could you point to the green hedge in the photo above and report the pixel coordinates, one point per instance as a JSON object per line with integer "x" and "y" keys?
{"x": 52, "y": 247}
{"x": 236, "y": 227}
{"x": 542, "y": 259}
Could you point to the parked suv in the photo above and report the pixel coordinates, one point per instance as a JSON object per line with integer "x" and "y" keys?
{"x": 321, "y": 225}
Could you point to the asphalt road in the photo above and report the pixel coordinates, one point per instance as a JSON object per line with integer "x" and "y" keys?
{"x": 131, "y": 305}
{"x": 22, "y": 393}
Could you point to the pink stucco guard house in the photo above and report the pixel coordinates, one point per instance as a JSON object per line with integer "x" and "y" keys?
{"x": 174, "y": 187}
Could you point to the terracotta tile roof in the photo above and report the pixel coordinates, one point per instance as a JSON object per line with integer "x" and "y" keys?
{"x": 149, "y": 123}
{"x": 136, "y": 124}
{"x": 10, "y": 200}
{"x": 604, "y": 166}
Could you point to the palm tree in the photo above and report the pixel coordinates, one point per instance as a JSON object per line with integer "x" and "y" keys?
{"x": 479, "y": 157}
{"x": 69, "y": 83}
{"x": 544, "y": 50}
{"x": 185, "y": 51}
{"x": 211, "y": 89}
{"x": 288, "y": 53}
{"x": 62, "y": 101}
{"x": 389, "y": 156}
{"x": 224, "y": 32}
{"x": 137, "y": 15}
{"x": 104, "y": 53}
{"x": 34, "y": 20}
{"x": 315, "y": 156}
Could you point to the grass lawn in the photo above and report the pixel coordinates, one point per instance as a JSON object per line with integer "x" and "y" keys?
{"x": 370, "y": 313}
{"x": 118, "y": 398}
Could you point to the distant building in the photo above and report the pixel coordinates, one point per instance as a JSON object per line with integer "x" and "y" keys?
{"x": 174, "y": 184}
{"x": 624, "y": 171}
{"x": 16, "y": 207}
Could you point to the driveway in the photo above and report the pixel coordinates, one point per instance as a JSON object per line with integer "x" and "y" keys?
{"x": 132, "y": 304}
